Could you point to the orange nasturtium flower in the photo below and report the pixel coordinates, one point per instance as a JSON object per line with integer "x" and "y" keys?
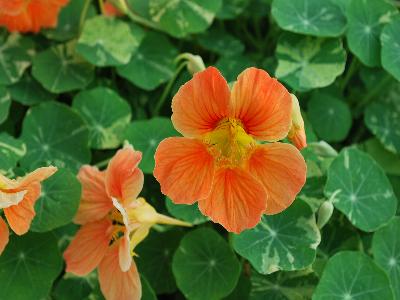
{"x": 17, "y": 199}
{"x": 110, "y": 10}
{"x": 29, "y": 15}
{"x": 114, "y": 221}
{"x": 219, "y": 161}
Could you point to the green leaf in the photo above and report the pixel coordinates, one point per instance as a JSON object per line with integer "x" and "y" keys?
{"x": 386, "y": 250}
{"x": 155, "y": 259}
{"x": 28, "y": 266}
{"x": 230, "y": 9}
{"x": 147, "y": 291}
{"x": 204, "y": 266}
{"x": 232, "y": 65}
{"x": 242, "y": 289}
{"x": 55, "y": 134}
{"x": 58, "y": 203}
{"x": 329, "y": 116}
{"x": 11, "y": 151}
{"x": 220, "y": 42}
{"x": 365, "y": 22}
{"x": 312, "y": 17}
{"x": 286, "y": 241}
{"x": 152, "y": 64}
{"x": 29, "y": 92}
{"x": 15, "y": 58}
{"x": 361, "y": 190}
{"x": 181, "y": 17}
{"x": 5, "y": 103}
{"x": 69, "y": 21}
{"x": 352, "y": 275}
{"x": 387, "y": 160}
{"x": 108, "y": 41}
{"x": 384, "y": 122}
{"x": 308, "y": 62}
{"x": 146, "y": 135}
{"x": 71, "y": 288}
{"x": 107, "y": 115}
{"x": 390, "y": 40}
{"x": 188, "y": 213}
{"x": 59, "y": 70}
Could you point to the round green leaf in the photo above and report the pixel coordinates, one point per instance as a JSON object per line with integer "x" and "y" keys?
{"x": 152, "y": 64}
{"x": 365, "y": 22}
{"x": 312, "y": 17}
{"x": 232, "y": 65}
{"x": 384, "y": 122}
{"x": 390, "y": 40}
{"x": 352, "y": 276}
{"x": 188, "y": 213}
{"x": 108, "y": 41}
{"x": 386, "y": 250}
{"x": 230, "y": 9}
{"x": 55, "y": 134}
{"x": 308, "y": 62}
{"x": 155, "y": 259}
{"x": 11, "y": 151}
{"x": 71, "y": 288}
{"x": 146, "y": 135}
{"x": 204, "y": 266}
{"x": 58, "y": 203}
{"x": 15, "y": 58}
{"x": 181, "y": 17}
{"x": 221, "y": 42}
{"x": 329, "y": 117}
{"x": 28, "y": 266}
{"x": 147, "y": 291}
{"x": 106, "y": 114}
{"x": 29, "y": 92}
{"x": 286, "y": 241}
{"x": 59, "y": 70}
{"x": 361, "y": 190}
{"x": 5, "y": 103}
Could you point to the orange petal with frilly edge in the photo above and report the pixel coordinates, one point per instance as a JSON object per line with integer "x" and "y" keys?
{"x": 12, "y": 7}
{"x": 124, "y": 180}
{"x": 116, "y": 284}
{"x": 262, "y": 104}
{"x": 88, "y": 247}
{"x": 237, "y": 200}
{"x": 20, "y": 216}
{"x": 184, "y": 169}
{"x": 282, "y": 170}
{"x": 95, "y": 203}
{"x": 201, "y": 103}
{"x": 4, "y": 234}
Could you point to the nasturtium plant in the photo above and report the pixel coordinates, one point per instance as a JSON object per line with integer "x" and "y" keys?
{"x": 308, "y": 62}
{"x": 83, "y": 80}
{"x": 107, "y": 116}
{"x": 361, "y": 190}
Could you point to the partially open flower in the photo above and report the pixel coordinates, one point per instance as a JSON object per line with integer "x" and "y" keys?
{"x": 17, "y": 199}
{"x": 114, "y": 222}
{"x": 29, "y": 15}
{"x": 297, "y": 134}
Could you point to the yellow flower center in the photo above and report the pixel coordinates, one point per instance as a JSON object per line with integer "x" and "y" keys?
{"x": 229, "y": 143}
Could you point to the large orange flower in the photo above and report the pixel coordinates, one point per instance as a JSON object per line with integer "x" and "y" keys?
{"x": 114, "y": 222}
{"x": 220, "y": 162}
{"x": 29, "y": 15}
{"x": 17, "y": 199}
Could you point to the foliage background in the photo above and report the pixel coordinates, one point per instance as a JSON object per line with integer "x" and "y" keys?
{"x": 71, "y": 95}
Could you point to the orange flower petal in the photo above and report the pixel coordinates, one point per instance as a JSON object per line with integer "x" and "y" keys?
{"x": 282, "y": 170}
{"x": 110, "y": 10}
{"x": 124, "y": 252}
{"x": 95, "y": 203}
{"x": 115, "y": 284}
{"x": 4, "y": 234}
{"x": 262, "y": 104}
{"x": 20, "y": 216}
{"x": 88, "y": 247}
{"x": 201, "y": 103}
{"x": 124, "y": 180}
{"x": 237, "y": 200}
{"x": 184, "y": 169}
{"x": 12, "y": 7}
{"x": 38, "y": 175}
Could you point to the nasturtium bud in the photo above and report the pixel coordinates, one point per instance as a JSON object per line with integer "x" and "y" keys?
{"x": 325, "y": 212}
{"x": 194, "y": 62}
{"x": 297, "y": 134}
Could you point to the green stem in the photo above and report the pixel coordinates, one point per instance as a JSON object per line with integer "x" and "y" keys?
{"x": 373, "y": 92}
{"x": 167, "y": 90}
{"x": 103, "y": 163}
{"x": 352, "y": 69}
{"x": 84, "y": 12}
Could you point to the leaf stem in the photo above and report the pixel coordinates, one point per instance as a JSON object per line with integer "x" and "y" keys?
{"x": 167, "y": 90}
{"x": 352, "y": 69}
{"x": 103, "y": 163}
{"x": 84, "y": 12}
